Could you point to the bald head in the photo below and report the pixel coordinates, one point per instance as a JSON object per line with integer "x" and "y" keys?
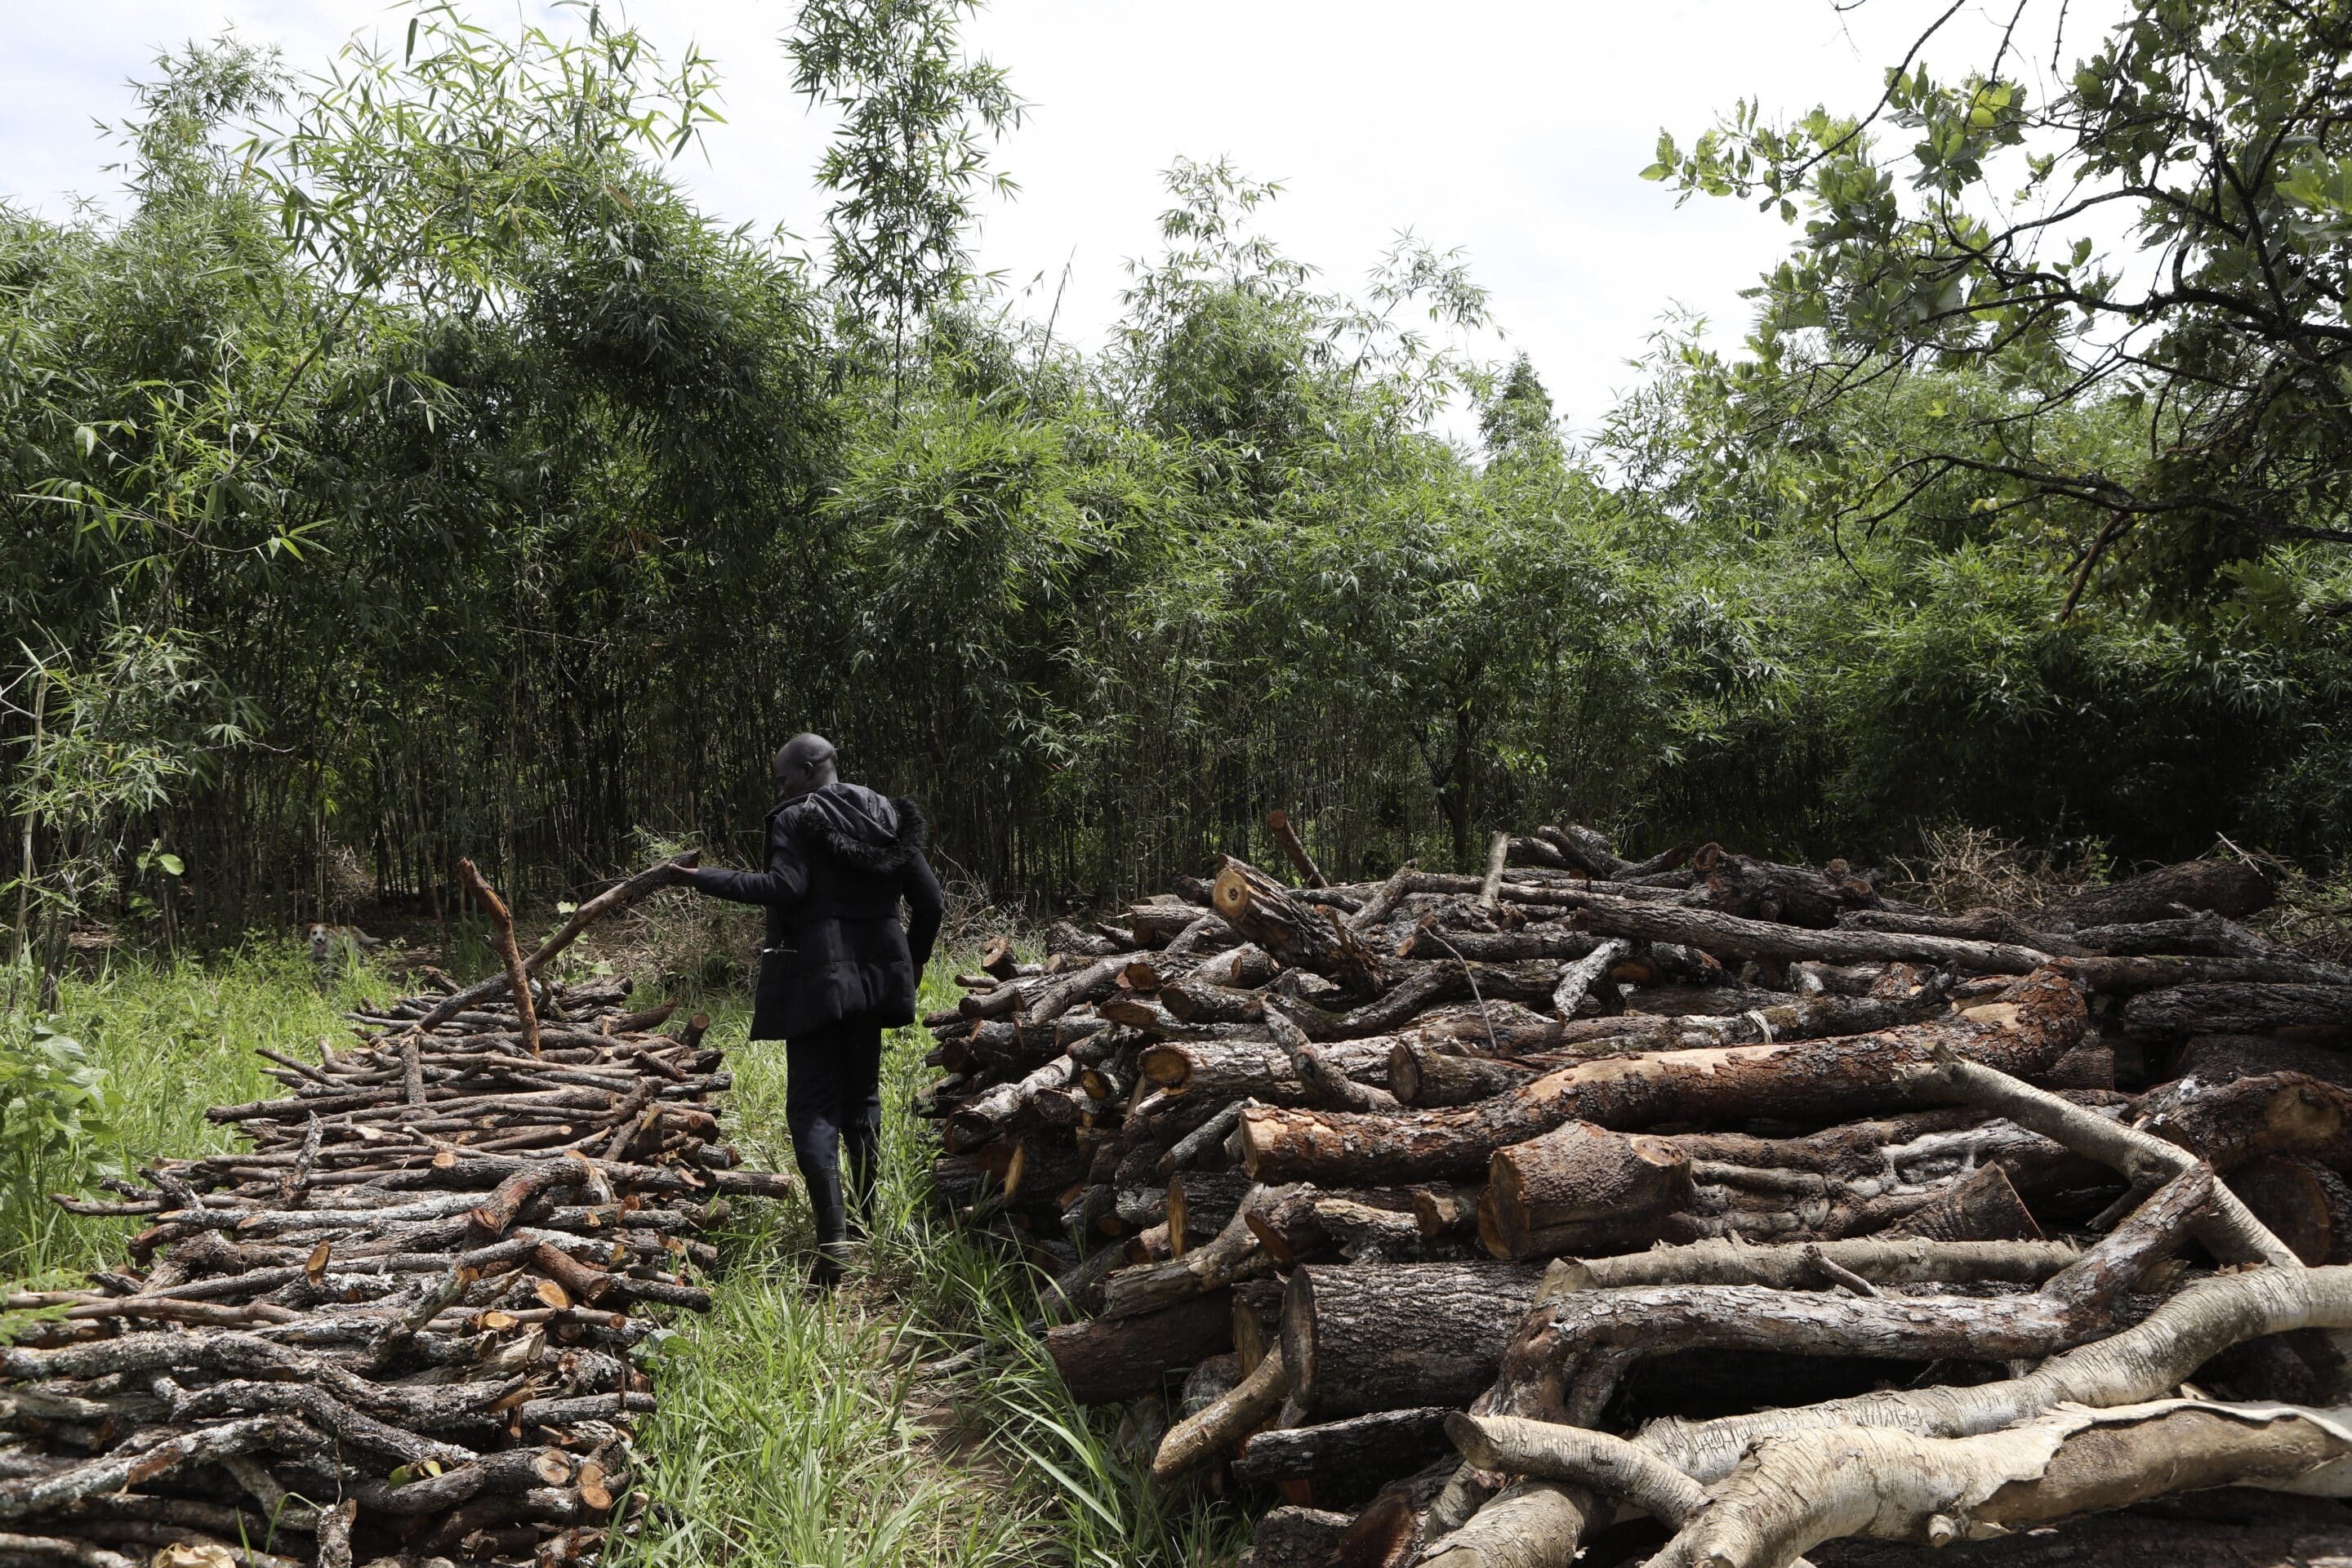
{"x": 806, "y": 764}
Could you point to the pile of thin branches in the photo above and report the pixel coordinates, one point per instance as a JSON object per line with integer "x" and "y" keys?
{"x": 1699, "y": 1206}
{"x": 398, "y": 1325}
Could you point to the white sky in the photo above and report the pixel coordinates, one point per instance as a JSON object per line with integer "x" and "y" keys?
{"x": 1513, "y": 130}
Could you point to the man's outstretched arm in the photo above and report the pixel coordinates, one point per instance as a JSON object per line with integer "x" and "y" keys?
{"x": 785, "y": 881}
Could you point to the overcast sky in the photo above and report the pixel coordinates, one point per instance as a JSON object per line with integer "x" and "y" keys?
{"x": 1510, "y": 129}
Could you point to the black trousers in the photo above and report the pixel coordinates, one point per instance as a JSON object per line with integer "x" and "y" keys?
{"x": 832, "y": 1103}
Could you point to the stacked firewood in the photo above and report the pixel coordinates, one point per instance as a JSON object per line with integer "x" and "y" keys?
{"x": 399, "y": 1325}
{"x": 1485, "y": 1220}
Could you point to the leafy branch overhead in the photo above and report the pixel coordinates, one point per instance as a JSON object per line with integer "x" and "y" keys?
{"x": 911, "y": 158}
{"x": 1962, "y": 222}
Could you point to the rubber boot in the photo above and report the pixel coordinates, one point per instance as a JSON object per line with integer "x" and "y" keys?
{"x": 824, "y": 1181}
{"x": 832, "y": 1262}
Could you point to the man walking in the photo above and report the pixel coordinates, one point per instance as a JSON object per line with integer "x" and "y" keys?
{"x": 838, "y": 968}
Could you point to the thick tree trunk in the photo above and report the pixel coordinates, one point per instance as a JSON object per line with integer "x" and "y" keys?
{"x": 1733, "y": 936}
{"x": 2142, "y": 1362}
{"x": 1553, "y": 940}
{"x": 1983, "y": 1206}
{"x": 1970, "y": 925}
{"x": 1352, "y": 1455}
{"x": 1908, "y": 1261}
{"x": 1614, "y": 1326}
{"x": 1262, "y": 911}
{"x": 2230, "y": 888}
{"x": 1802, "y": 1489}
{"x": 1105, "y": 1360}
{"x": 1580, "y": 1188}
{"x": 1391, "y": 1336}
{"x": 2318, "y": 1012}
{"x": 1419, "y": 1075}
{"x": 1812, "y": 1079}
{"x": 1791, "y": 895}
{"x": 1230, "y": 1070}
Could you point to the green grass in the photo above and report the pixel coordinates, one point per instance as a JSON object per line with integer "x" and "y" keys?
{"x": 173, "y": 1038}
{"x": 791, "y": 1427}
{"x": 794, "y": 1428}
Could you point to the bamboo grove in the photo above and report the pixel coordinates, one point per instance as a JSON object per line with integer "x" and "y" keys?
{"x": 410, "y": 471}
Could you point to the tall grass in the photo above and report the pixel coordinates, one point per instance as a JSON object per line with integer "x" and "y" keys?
{"x": 174, "y": 1037}
{"x": 795, "y": 1426}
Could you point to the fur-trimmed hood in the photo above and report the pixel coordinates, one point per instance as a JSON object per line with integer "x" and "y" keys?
{"x": 860, "y": 827}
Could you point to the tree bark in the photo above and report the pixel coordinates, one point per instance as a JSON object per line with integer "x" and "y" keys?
{"x": 1791, "y": 895}
{"x": 1294, "y": 1538}
{"x": 2142, "y": 1362}
{"x": 1104, "y": 1360}
{"x": 1552, "y": 939}
{"x": 2071, "y": 1307}
{"x": 2317, "y": 1012}
{"x": 1799, "y": 1490}
{"x": 1357, "y": 1453}
{"x": 1232, "y": 1068}
{"x": 1908, "y": 1261}
{"x": 1278, "y": 822}
{"x": 1262, "y": 912}
{"x": 1818, "y": 1080}
{"x": 1198, "y": 1002}
{"x": 2230, "y": 888}
{"x": 1580, "y": 1188}
{"x": 1733, "y": 936}
{"x": 1979, "y": 1208}
{"x": 1307, "y": 1222}
{"x": 1364, "y": 1337}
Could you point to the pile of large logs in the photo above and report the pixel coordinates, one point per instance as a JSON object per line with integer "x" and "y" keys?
{"x": 1698, "y": 1206}
{"x": 398, "y": 1325}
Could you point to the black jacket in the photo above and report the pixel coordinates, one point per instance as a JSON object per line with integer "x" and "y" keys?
{"x": 839, "y": 861}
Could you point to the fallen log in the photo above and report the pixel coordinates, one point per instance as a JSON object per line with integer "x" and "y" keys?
{"x": 1102, "y": 1360}
{"x": 2320, "y": 1013}
{"x": 2139, "y": 1363}
{"x": 1420, "y": 1073}
{"x": 1791, "y": 895}
{"x": 2230, "y": 888}
{"x": 1357, "y": 1453}
{"x": 1257, "y": 907}
{"x": 1577, "y": 1188}
{"x": 1801, "y": 1489}
{"x": 1908, "y": 1261}
{"x": 1364, "y": 1337}
{"x": 1852, "y": 1074}
{"x": 2071, "y": 1308}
